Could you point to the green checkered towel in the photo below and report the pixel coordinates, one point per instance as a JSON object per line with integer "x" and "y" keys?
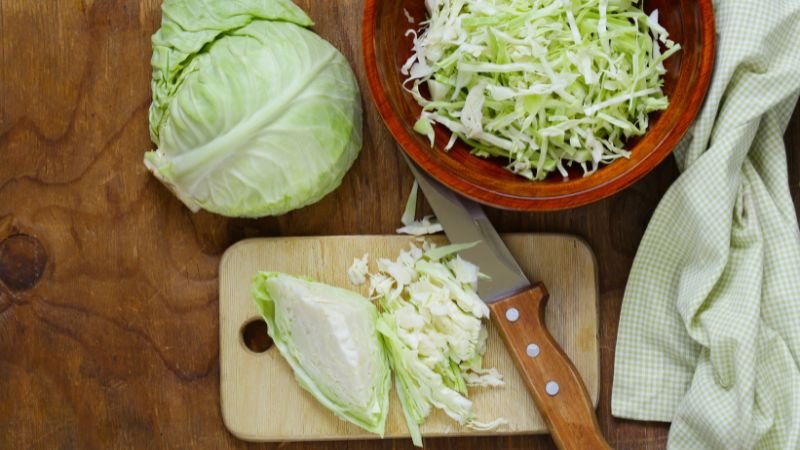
{"x": 709, "y": 337}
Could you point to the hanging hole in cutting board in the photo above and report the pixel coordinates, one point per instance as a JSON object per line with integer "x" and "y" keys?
{"x": 255, "y": 337}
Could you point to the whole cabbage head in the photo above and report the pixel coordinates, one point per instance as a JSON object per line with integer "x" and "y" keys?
{"x": 253, "y": 114}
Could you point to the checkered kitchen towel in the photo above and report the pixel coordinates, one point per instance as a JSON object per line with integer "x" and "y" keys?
{"x": 709, "y": 337}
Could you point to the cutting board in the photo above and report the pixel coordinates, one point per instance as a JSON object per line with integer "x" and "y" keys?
{"x": 262, "y": 402}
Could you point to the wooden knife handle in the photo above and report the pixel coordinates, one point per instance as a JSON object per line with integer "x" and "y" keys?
{"x": 550, "y": 376}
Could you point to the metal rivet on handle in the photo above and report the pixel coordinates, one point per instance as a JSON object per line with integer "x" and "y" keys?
{"x": 551, "y": 388}
{"x": 532, "y": 350}
{"x": 512, "y": 314}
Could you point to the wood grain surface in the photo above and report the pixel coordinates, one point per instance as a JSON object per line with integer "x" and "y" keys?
{"x": 252, "y": 384}
{"x": 108, "y": 285}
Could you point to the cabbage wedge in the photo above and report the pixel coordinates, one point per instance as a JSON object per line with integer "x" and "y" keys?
{"x": 328, "y": 336}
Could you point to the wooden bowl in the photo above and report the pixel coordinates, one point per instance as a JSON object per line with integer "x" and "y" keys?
{"x": 386, "y": 48}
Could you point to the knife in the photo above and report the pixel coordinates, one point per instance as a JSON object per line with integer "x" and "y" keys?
{"x": 517, "y": 311}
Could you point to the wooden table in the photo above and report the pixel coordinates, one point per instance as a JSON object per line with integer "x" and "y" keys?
{"x": 108, "y": 299}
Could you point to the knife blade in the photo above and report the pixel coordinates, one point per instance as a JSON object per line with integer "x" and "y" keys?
{"x": 464, "y": 221}
{"x": 517, "y": 311}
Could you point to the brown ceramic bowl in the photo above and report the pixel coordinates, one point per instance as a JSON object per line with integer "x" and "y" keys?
{"x": 386, "y": 48}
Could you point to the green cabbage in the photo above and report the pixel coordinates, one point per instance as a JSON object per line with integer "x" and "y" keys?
{"x": 328, "y": 336}
{"x": 544, "y": 84}
{"x": 432, "y": 325}
{"x": 253, "y": 114}
{"x": 430, "y": 333}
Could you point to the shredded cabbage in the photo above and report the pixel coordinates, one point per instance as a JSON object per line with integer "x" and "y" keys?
{"x": 547, "y": 84}
{"x": 426, "y": 225}
{"x": 357, "y": 273}
{"x": 432, "y": 326}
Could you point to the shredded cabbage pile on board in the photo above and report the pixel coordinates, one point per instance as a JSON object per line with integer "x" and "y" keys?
{"x": 547, "y": 84}
{"x": 432, "y": 326}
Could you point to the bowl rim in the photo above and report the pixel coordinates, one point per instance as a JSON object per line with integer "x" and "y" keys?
{"x": 421, "y": 157}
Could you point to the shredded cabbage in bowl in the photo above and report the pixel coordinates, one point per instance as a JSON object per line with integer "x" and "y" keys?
{"x": 546, "y": 84}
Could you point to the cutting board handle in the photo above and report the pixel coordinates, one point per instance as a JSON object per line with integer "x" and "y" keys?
{"x": 551, "y": 378}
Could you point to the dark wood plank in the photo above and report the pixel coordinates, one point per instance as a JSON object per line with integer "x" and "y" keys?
{"x": 109, "y": 337}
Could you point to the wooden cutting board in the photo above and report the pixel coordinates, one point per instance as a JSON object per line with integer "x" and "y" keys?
{"x": 261, "y": 400}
